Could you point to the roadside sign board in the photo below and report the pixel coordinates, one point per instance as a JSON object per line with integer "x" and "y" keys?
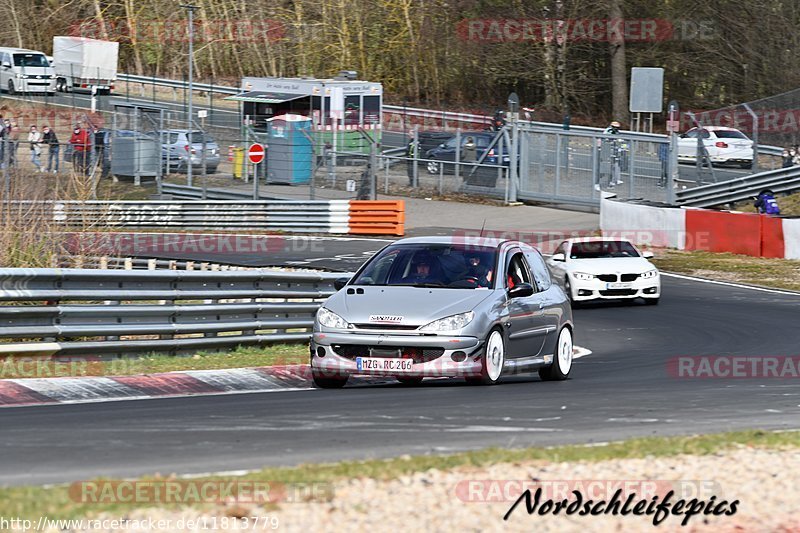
{"x": 256, "y": 153}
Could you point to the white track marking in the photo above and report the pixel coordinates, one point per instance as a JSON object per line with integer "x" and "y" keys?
{"x": 731, "y": 284}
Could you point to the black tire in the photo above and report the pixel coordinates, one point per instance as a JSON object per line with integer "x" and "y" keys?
{"x": 410, "y": 381}
{"x": 485, "y": 377}
{"x": 555, "y": 372}
{"x": 328, "y": 382}
{"x": 11, "y": 88}
{"x": 651, "y": 301}
{"x": 568, "y": 291}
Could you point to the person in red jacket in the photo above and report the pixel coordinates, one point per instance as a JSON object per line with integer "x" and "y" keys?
{"x": 80, "y": 149}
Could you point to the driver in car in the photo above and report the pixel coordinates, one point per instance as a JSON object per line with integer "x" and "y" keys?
{"x": 480, "y": 272}
{"x": 421, "y": 274}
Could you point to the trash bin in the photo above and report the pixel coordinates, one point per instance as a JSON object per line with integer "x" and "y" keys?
{"x": 238, "y": 162}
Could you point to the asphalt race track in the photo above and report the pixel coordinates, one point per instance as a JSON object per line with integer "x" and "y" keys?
{"x": 622, "y": 389}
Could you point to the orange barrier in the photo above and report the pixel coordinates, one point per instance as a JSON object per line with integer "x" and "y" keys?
{"x": 377, "y": 217}
{"x": 772, "y": 240}
{"x": 737, "y": 233}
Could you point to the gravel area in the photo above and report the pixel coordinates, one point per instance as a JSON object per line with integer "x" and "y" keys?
{"x": 764, "y": 481}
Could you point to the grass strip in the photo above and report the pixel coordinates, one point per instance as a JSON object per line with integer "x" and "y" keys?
{"x": 775, "y": 273}
{"x": 55, "y": 502}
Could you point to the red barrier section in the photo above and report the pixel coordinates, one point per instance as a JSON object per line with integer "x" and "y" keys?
{"x": 716, "y": 231}
{"x": 772, "y": 243}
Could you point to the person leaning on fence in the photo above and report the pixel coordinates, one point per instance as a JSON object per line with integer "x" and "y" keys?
{"x": 80, "y": 149}
{"x": 50, "y": 139}
{"x": 766, "y": 204}
{"x": 34, "y": 140}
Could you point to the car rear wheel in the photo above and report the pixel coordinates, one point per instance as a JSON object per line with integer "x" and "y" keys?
{"x": 410, "y": 380}
{"x": 562, "y": 359}
{"x": 328, "y": 382}
{"x": 494, "y": 358}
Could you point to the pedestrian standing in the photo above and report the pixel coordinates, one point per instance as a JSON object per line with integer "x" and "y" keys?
{"x": 50, "y": 139}
{"x": 34, "y": 140}
{"x": 13, "y": 143}
{"x": 80, "y": 149}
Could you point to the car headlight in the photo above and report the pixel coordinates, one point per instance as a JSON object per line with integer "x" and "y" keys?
{"x": 329, "y": 319}
{"x": 650, "y": 274}
{"x": 450, "y": 323}
{"x": 583, "y": 276}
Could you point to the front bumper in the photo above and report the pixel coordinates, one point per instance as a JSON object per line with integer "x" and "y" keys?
{"x": 337, "y": 354}
{"x": 34, "y": 85}
{"x": 596, "y": 289}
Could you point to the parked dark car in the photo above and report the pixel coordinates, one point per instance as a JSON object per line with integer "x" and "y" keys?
{"x": 474, "y": 144}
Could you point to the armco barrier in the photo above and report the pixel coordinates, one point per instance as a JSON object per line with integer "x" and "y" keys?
{"x": 115, "y": 312}
{"x": 292, "y": 216}
{"x": 702, "y": 229}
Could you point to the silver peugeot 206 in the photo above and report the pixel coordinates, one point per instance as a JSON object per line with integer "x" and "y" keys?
{"x": 445, "y": 306}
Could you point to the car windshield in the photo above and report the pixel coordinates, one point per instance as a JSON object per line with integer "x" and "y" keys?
{"x": 453, "y": 266}
{"x": 602, "y": 249}
{"x": 730, "y": 134}
{"x": 198, "y": 137}
{"x": 30, "y": 60}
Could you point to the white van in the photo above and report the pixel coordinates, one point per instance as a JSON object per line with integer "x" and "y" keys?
{"x": 26, "y": 71}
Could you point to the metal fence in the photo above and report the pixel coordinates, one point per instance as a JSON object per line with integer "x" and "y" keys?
{"x": 576, "y": 167}
{"x": 108, "y": 312}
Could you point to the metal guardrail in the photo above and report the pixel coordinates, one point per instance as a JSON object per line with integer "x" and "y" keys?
{"x": 119, "y": 312}
{"x": 177, "y": 84}
{"x": 279, "y": 215}
{"x": 740, "y": 189}
{"x": 197, "y": 193}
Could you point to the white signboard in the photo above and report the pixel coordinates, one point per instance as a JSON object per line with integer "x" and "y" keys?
{"x": 647, "y": 90}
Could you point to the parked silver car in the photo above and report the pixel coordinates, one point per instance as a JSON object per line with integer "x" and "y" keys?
{"x": 445, "y": 306}
{"x": 181, "y": 151}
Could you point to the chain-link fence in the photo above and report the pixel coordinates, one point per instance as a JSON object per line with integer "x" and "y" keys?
{"x": 574, "y": 167}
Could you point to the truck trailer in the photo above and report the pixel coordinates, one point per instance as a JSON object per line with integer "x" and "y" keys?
{"x": 86, "y": 65}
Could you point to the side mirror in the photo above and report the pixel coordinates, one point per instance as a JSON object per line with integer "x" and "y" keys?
{"x": 559, "y": 257}
{"x": 339, "y": 283}
{"x": 443, "y": 145}
{"x": 6, "y": 64}
{"x": 682, "y": 135}
{"x": 521, "y": 290}
{"x": 647, "y": 255}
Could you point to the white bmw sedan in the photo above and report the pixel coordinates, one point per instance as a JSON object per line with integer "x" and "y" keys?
{"x": 605, "y": 268}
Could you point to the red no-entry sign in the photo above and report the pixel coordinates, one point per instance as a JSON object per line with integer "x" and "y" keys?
{"x": 256, "y": 153}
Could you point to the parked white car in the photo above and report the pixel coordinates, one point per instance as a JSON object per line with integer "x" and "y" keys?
{"x": 605, "y": 268}
{"x": 724, "y": 145}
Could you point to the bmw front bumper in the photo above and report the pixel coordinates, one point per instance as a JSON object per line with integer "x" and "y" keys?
{"x": 595, "y": 289}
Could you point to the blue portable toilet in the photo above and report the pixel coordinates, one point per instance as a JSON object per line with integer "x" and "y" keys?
{"x": 289, "y": 149}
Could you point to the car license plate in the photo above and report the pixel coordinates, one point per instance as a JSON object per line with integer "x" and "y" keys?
{"x": 618, "y": 285}
{"x": 383, "y": 364}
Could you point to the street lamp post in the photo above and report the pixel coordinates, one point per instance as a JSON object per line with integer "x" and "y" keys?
{"x": 191, "y": 9}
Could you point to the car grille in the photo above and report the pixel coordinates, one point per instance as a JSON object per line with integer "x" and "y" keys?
{"x": 385, "y": 326}
{"x": 607, "y": 277}
{"x": 618, "y": 292}
{"x": 419, "y": 355}
{"x": 629, "y": 277}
